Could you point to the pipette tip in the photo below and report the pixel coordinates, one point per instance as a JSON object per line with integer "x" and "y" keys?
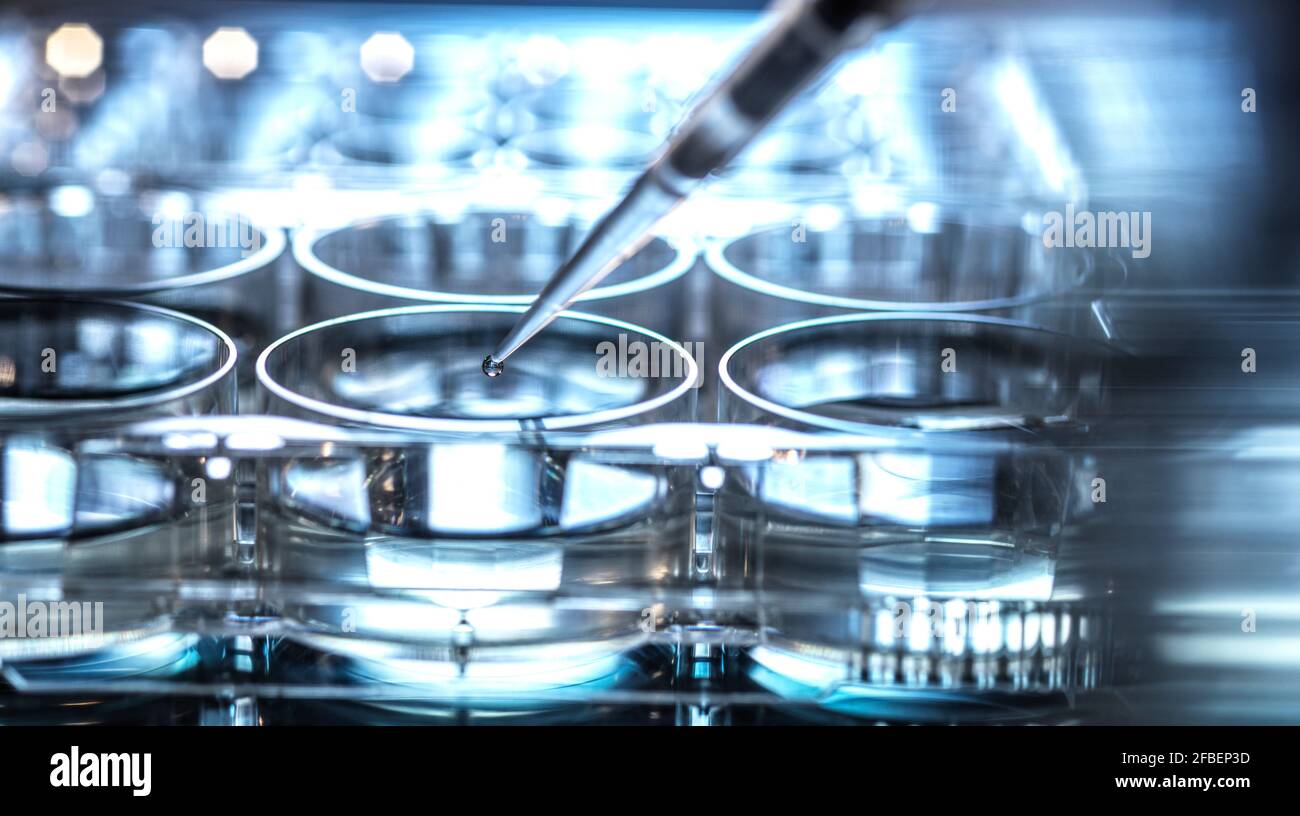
{"x": 492, "y": 367}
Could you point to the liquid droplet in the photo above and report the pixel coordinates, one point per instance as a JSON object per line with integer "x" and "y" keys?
{"x": 493, "y": 368}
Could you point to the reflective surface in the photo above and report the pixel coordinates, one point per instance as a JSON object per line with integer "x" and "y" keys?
{"x": 79, "y": 368}
{"x": 168, "y": 247}
{"x": 420, "y": 368}
{"x": 74, "y": 239}
{"x": 939, "y": 662}
{"x": 1126, "y": 545}
{"x": 460, "y": 252}
{"x": 913, "y": 370}
{"x": 464, "y": 537}
{"x": 76, "y": 363}
{"x": 831, "y": 257}
{"x": 73, "y": 516}
{"x": 951, "y": 531}
{"x": 919, "y": 258}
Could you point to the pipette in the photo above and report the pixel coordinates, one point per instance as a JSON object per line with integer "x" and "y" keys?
{"x": 806, "y": 36}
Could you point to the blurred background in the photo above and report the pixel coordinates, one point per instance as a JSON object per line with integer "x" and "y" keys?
{"x": 361, "y": 155}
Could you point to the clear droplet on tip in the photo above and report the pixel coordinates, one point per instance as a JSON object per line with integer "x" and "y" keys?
{"x": 493, "y": 368}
